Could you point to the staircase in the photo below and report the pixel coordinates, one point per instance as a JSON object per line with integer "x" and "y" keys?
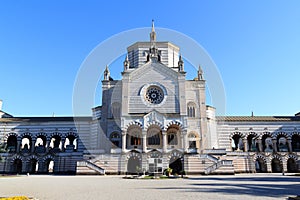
{"x": 220, "y": 167}
{"x": 87, "y": 167}
{"x": 208, "y": 164}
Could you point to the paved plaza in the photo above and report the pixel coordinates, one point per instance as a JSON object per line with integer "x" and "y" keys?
{"x": 242, "y": 186}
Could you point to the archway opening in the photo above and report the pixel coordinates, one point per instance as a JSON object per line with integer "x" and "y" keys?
{"x": 276, "y": 165}
{"x": 26, "y": 144}
{"x": 296, "y": 143}
{"x": 33, "y": 166}
{"x": 134, "y": 165}
{"x": 176, "y": 165}
{"x": 40, "y": 144}
{"x": 17, "y": 166}
{"x": 282, "y": 143}
{"x": 237, "y": 143}
{"x": 267, "y": 143}
{"x": 252, "y": 143}
{"x": 260, "y": 166}
{"x": 49, "y": 166}
{"x": 11, "y": 144}
{"x": 292, "y": 165}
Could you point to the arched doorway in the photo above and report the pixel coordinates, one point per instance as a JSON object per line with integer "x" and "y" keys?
{"x": 292, "y": 165}
{"x": 176, "y": 164}
{"x": 260, "y": 165}
{"x": 17, "y": 166}
{"x": 12, "y": 144}
{"x": 49, "y": 166}
{"x": 134, "y": 164}
{"x": 276, "y": 165}
{"x": 33, "y": 166}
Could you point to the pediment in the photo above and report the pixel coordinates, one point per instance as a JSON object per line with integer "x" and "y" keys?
{"x": 153, "y": 68}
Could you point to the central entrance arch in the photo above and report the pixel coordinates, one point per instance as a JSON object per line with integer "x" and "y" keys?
{"x": 134, "y": 163}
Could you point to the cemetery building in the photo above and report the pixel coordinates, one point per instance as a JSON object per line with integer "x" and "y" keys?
{"x": 150, "y": 120}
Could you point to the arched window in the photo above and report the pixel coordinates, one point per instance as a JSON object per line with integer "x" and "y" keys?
{"x": 191, "y": 109}
{"x": 192, "y": 139}
{"x": 172, "y": 139}
{"x": 115, "y": 138}
{"x": 153, "y": 136}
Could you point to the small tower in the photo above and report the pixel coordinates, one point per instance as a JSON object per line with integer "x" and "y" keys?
{"x": 200, "y": 74}
{"x": 180, "y": 64}
{"x": 106, "y": 74}
{"x": 126, "y": 63}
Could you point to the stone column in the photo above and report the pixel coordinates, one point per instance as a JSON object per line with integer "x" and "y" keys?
{"x": 260, "y": 147}
{"x": 184, "y": 146}
{"x": 33, "y": 141}
{"x": 284, "y": 165}
{"x": 274, "y": 145}
{"x": 182, "y": 142}
{"x": 164, "y": 135}
{"x": 269, "y": 166}
{"x": 63, "y": 140}
{"x": 123, "y": 141}
{"x": 245, "y": 142}
{"x": 144, "y": 134}
{"x": 19, "y": 143}
{"x": 289, "y": 141}
{"x": 48, "y": 142}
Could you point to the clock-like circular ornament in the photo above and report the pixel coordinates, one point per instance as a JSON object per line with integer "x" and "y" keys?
{"x": 154, "y": 95}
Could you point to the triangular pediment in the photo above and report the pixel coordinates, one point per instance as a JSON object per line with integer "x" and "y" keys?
{"x": 153, "y": 68}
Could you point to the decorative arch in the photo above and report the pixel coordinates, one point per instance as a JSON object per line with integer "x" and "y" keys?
{"x": 132, "y": 124}
{"x": 17, "y": 157}
{"x": 174, "y": 123}
{"x": 9, "y": 134}
{"x": 154, "y": 123}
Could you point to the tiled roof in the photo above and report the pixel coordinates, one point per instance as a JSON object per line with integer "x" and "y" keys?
{"x": 44, "y": 119}
{"x": 257, "y": 118}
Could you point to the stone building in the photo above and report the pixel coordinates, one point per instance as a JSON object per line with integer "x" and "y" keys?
{"x": 151, "y": 119}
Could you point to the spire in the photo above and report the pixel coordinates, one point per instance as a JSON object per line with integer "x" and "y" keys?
{"x": 153, "y": 49}
{"x": 200, "y": 74}
{"x": 126, "y": 63}
{"x": 180, "y": 64}
{"x": 106, "y": 73}
{"x": 152, "y": 34}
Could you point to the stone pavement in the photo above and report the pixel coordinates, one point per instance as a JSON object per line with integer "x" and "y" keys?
{"x": 241, "y": 186}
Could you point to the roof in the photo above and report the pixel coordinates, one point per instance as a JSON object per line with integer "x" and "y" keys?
{"x": 45, "y": 119}
{"x": 257, "y": 118}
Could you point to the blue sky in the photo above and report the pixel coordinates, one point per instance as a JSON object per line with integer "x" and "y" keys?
{"x": 255, "y": 45}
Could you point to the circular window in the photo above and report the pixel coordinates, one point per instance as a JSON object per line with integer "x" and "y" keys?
{"x": 154, "y": 95}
